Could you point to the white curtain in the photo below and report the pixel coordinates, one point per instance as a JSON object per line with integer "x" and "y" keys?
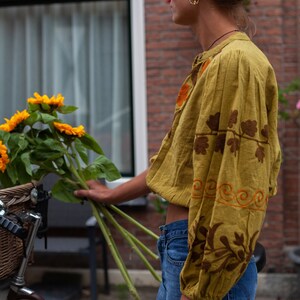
{"x": 80, "y": 50}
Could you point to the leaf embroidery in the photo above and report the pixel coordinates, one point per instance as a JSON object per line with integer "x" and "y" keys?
{"x": 201, "y": 144}
{"x": 239, "y": 239}
{"x": 230, "y": 257}
{"x": 249, "y": 127}
{"x": 225, "y": 242}
{"x": 220, "y": 143}
{"x": 211, "y": 234}
{"x": 234, "y": 144}
{"x": 247, "y": 130}
{"x": 260, "y": 153}
{"x": 213, "y": 122}
{"x": 233, "y": 118}
{"x": 265, "y": 131}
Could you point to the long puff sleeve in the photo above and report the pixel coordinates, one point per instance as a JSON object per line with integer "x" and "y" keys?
{"x": 236, "y": 159}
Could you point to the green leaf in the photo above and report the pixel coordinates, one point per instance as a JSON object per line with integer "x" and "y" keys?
{"x": 51, "y": 145}
{"x": 5, "y": 180}
{"x": 12, "y": 173}
{"x": 102, "y": 167}
{"x": 47, "y": 118}
{"x": 59, "y": 162}
{"x": 90, "y": 143}
{"x": 66, "y": 109}
{"x": 45, "y": 107}
{"x": 22, "y": 143}
{"x": 63, "y": 190}
{"x": 33, "y": 118}
{"x": 39, "y": 173}
{"x": 4, "y": 136}
{"x": 44, "y": 134}
{"x": 81, "y": 151}
{"x": 47, "y": 150}
{"x": 33, "y": 107}
{"x": 25, "y": 158}
{"x": 17, "y": 143}
{"x": 40, "y": 157}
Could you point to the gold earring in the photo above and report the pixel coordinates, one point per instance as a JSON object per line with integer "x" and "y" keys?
{"x": 194, "y": 2}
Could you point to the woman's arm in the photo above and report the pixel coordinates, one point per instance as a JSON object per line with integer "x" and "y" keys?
{"x": 129, "y": 190}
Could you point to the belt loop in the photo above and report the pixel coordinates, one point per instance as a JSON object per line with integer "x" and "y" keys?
{"x": 162, "y": 229}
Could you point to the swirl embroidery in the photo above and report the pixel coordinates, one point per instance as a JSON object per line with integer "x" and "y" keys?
{"x": 226, "y": 194}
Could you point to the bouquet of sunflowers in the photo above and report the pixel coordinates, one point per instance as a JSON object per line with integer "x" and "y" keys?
{"x": 36, "y": 142}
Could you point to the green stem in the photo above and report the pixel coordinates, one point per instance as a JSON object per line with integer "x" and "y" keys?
{"x": 76, "y": 174}
{"x": 133, "y": 221}
{"x": 142, "y": 245}
{"x": 127, "y": 237}
{"x": 74, "y": 153}
{"x": 72, "y": 168}
{"x": 114, "y": 251}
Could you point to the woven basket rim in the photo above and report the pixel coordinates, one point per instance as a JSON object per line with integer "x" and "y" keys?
{"x": 16, "y": 199}
{"x": 17, "y": 194}
{"x": 19, "y": 186}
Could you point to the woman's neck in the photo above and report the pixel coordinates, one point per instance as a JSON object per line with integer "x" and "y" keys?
{"x": 212, "y": 26}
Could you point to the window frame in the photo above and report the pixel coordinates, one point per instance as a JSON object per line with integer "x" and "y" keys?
{"x": 139, "y": 86}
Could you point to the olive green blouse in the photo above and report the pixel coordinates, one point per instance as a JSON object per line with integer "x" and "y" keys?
{"x": 221, "y": 159}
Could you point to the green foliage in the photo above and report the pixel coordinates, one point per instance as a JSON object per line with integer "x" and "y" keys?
{"x": 35, "y": 143}
{"x": 285, "y": 112}
{"x": 36, "y": 148}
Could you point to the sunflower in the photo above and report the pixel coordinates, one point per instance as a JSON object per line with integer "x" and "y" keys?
{"x": 56, "y": 101}
{"x": 3, "y": 157}
{"x": 14, "y": 121}
{"x": 69, "y": 130}
{"x": 38, "y": 99}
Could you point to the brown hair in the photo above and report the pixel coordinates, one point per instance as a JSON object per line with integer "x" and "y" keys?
{"x": 237, "y": 10}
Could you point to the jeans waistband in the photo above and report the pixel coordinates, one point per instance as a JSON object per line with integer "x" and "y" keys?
{"x": 177, "y": 225}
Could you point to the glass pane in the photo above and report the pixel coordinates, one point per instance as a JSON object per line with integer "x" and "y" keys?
{"x": 81, "y": 50}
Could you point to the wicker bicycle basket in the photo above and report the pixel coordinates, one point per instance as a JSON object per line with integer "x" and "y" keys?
{"x": 16, "y": 199}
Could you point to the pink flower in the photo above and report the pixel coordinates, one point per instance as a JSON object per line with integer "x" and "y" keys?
{"x": 298, "y": 104}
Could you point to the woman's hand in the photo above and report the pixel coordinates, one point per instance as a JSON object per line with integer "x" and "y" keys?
{"x": 97, "y": 192}
{"x": 184, "y": 298}
{"x": 129, "y": 190}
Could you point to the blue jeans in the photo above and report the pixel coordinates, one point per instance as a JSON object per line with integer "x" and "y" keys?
{"x": 173, "y": 249}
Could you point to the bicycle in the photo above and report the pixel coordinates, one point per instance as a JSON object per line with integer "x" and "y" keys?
{"x": 26, "y": 225}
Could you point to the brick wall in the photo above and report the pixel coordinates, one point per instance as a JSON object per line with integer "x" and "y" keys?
{"x": 169, "y": 52}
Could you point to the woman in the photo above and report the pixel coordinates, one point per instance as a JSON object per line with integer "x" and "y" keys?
{"x": 218, "y": 165}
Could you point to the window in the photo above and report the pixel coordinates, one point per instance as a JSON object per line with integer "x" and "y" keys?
{"x": 90, "y": 51}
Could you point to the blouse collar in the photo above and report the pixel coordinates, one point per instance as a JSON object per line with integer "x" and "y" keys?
{"x": 200, "y": 58}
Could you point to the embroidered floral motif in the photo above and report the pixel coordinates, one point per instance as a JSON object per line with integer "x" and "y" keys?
{"x": 220, "y": 143}
{"x": 183, "y": 94}
{"x": 199, "y": 67}
{"x": 234, "y": 144}
{"x": 201, "y": 144}
{"x": 227, "y": 253}
{"x": 204, "y": 66}
{"x": 233, "y": 118}
{"x": 260, "y": 153}
{"x": 249, "y": 127}
{"x": 213, "y": 122}
{"x": 246, "y": 131}
{"x": 265, "y": 131}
